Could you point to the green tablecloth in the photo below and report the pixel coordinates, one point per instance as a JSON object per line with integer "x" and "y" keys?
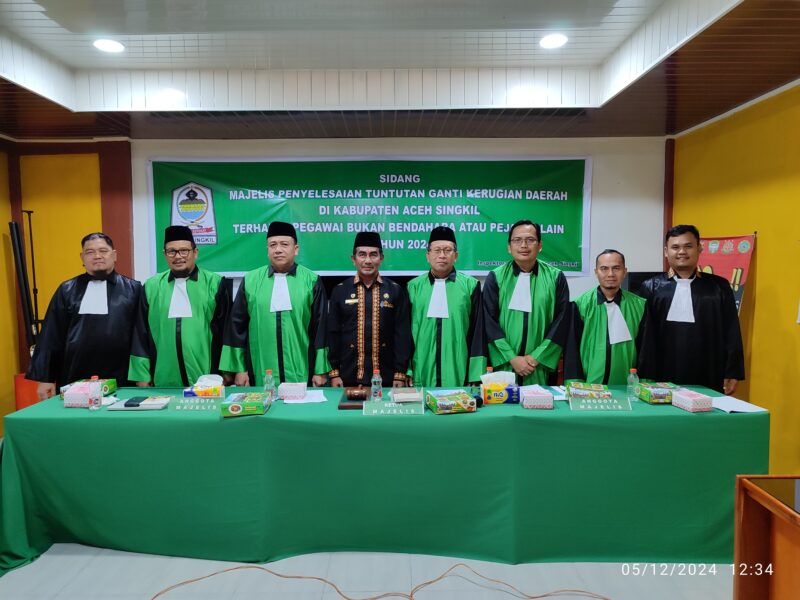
{"x": 505, "y": 484}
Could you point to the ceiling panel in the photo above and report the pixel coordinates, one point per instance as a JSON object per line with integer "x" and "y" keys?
{"x": 324, "y": 34}
{"x": 753, "y": 49}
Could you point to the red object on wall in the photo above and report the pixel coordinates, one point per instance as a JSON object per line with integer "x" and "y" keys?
{"x": 24, "y": 391}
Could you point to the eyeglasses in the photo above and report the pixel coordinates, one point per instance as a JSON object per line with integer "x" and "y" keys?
{"x": 442, "y": 251}
{"x": 183, "y": 252}
{"x": 527, "y": 241}
{"x": 100, "y": 251}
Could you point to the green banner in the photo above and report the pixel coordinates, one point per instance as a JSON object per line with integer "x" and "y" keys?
{"x": 230, "y": 204}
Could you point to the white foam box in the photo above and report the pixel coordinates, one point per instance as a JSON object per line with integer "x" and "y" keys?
{"x": 691, "y": 401}
{"x": 407, "y": 394}
{"x": 292, "y": 391}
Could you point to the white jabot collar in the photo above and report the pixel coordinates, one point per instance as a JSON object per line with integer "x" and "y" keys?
{"x": 617, "y": 327}
{"x": 681, "y": 309}
{"x": 437, "y": 307}
{"x": 521, "y": 297}
{"x": 179, "y": 305}
{"x": 95, "y": 299}
{"x": 280, "y": 300}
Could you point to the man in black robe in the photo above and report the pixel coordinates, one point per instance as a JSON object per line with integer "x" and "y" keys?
{"x": 690, "y": 331}
{"x": 369, "y": 323}
{"x": 89, "y": 323}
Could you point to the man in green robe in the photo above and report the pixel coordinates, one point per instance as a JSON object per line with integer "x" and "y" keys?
{"x": 446, "y": 319}
{"x": 182, "y": 314}
{"x": 604, "y": 324}
{"x": 524, "y": 306}
{"x": 279, "y": 319}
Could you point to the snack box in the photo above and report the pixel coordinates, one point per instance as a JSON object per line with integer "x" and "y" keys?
{"x": 292, "y": 391}
{"x": 536, "y": 397}
{"x": 691, "y": 401}
{"x": 578, "y": 389}
{"x": 500, "y": 393}
{"x": 659, "y": 392}
{"x": 444, "y": 402}
{"x": 407, "y": 394}
{"x": 204, "y": 391}
{"x": 245, "y": 403}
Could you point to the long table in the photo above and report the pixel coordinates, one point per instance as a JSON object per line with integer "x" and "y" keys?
{"x": 504, "y": 484}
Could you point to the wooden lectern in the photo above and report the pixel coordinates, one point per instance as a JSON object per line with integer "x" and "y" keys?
{"x": 766, "y": 555}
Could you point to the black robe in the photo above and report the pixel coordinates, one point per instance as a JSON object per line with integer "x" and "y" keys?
{"x": 701, "y": 353}
{"x": 72, "y": 346}
{"x": 359, "y": 319}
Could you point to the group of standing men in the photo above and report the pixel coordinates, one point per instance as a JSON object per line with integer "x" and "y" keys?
{"x": 441, "y": 331}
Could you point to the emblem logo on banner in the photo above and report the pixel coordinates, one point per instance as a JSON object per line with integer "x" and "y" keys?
{"x": 732, "y": 263}
{"x": 193, "y": 206}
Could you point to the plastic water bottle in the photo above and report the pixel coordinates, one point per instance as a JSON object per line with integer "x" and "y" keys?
{"x": 269, "y": 386}
{"x": 95, "y": 393}
{"x": 633, "y": 385}
{"x": 376, "y": 390}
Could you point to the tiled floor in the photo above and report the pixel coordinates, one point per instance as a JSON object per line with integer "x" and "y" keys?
{"x": 73, "y": 572}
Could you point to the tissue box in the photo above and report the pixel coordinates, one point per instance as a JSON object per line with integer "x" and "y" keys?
{"x": 292, "y": 391}
{"x": 535, "y": 396}
{"x": 109, "y": 386}
{"x": 500, "y": 393}
{"x": 443, "y": 402}
{"x": 656, "y": 393}
{"x": 691, "y": 401}
{"x": 76, "y": 394}
{"x": 245, "y": 403}
{"x": 204, "y": 391}
{"x": 577, "y": 389}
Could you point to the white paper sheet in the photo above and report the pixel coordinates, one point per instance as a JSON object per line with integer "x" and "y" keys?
{"x": 311, "y": 397}
{"x": 730, "y": 404}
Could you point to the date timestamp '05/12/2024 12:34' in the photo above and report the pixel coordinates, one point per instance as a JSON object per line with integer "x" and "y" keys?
{"x": 693, "y": 569}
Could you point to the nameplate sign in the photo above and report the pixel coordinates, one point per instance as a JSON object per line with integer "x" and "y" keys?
{"x": 600, "y": 404}
{"x": 380, "y": 409}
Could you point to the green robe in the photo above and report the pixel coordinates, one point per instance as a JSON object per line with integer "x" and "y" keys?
{"x": 512, "y": 333}
{"x": 175, "y": 352}
{"x": 589, "y": 356}
{"x": 285, "y": 341}
{"x": 449, "y": 352}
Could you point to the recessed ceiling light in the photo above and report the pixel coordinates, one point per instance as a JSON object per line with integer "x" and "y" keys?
{"x": 554, "y": 40}
{"x": 109, "y": 46}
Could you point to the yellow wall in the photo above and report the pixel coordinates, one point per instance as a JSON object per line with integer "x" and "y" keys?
{"x": 64, "y": 193}
{"x": 736, "y": 176}
{"x": 9, "y": 363}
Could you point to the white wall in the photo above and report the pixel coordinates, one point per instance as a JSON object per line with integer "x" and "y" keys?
{"x": 627, "y": 181}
